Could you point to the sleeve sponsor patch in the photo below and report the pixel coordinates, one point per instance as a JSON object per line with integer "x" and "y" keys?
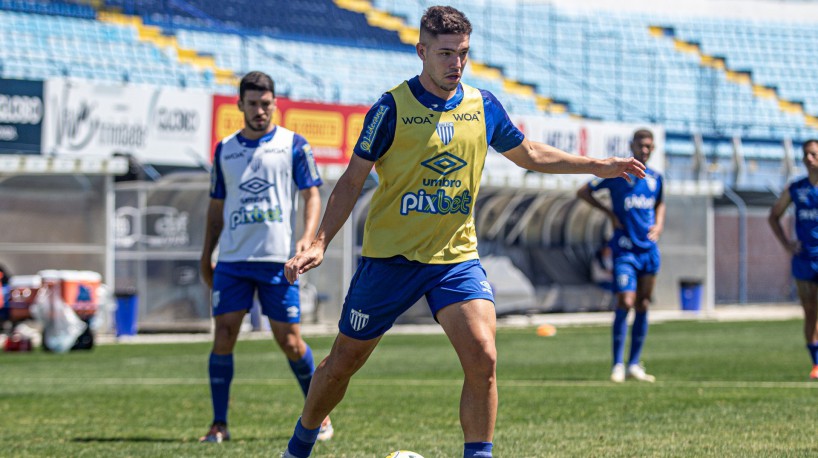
{"x": 371, "y": 130}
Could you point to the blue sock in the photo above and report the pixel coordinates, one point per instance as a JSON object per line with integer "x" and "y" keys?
{"x": 303, "y": 369}
{"x": 813, "y": 352}
{"x": 620, "y": 331}
{"x": 638, "y": 334}
{"x": 300, "y": 445}
{"x": 221, "y": 375}
{"x": 477, "y": 449}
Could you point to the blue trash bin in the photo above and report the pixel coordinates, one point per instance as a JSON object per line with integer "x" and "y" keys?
{"x": 691, "y": 294}
{"x": 127, "y": 313}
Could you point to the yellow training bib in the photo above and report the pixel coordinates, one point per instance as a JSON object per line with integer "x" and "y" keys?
{"x": 429, "y": 179}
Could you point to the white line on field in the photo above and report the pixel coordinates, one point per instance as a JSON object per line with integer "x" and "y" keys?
{"x": 715, "y": 384}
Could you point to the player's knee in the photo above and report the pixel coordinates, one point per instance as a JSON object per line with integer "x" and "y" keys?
{"x": 625, "y": 303}
{"x": 642, "y": 304}
{"x": 224, "y": 337}
{"x": 341, "y": 365}
{"x": 289, "y": 343}
{"x": 481, "y": 361}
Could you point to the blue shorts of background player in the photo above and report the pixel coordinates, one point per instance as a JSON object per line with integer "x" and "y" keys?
{"x": 382, "y": 289}
{"x": 805, "y": 269}
{"x": 235, "y": 284}
{"x": 630, "y": 265}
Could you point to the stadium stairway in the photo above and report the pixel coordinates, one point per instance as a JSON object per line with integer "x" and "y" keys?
{"x": 152, "y": 34}
{"x": 739, "y": 77}
{"x": 82, "y": 39}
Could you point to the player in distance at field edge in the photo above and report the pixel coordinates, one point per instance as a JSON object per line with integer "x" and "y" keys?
{"x": 804, "y": 250}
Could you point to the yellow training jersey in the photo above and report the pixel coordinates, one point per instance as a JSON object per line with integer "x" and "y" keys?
{"x": 429, "y": 179}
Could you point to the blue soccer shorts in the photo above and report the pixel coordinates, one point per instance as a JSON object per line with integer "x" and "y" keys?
{"x": 382, "y": 289}
{"x": 629, "y": 266}
{"x": 235, "y": 284}
{"x": 805, "y": 269}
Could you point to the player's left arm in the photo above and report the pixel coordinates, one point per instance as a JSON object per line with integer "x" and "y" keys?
{"x": 312, "y": 212}
{"x": 307, "y": 178}
{"x": 656, "y": 230}
{"x": 543, "y": 158}
{"x": 506, "y": 138}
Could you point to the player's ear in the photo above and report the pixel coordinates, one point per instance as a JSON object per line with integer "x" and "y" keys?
{"x": 240, "y": 104}
{"x": 421, "y": 50}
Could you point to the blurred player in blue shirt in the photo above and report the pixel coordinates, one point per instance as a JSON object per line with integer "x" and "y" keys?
{"x": 637, "y": 213}
{"x": 258, "y": 174}
{"x": 804, "y": 250}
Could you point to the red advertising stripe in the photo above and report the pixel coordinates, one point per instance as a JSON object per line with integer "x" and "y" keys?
{"x": 331, "y": 129}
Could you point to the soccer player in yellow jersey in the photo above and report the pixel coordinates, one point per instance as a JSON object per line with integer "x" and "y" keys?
{"x": 428, "y": 139}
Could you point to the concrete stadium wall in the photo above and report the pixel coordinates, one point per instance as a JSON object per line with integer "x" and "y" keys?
{"x": 52, "y": 222}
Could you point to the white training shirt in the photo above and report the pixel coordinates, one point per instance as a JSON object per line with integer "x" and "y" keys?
{"x": 259, "y": 182}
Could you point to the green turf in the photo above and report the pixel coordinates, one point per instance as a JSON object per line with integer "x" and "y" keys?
{"x": 724, "y": 389}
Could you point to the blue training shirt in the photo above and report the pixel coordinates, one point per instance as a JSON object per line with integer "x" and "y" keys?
{"x": 634, "y": 204}
{"x": 380, "y": 121}
{"x": 805, "y": 197}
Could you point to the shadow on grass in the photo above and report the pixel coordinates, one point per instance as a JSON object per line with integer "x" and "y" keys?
{"x": 123, "y": 439}
{"x": 138, "y": 439}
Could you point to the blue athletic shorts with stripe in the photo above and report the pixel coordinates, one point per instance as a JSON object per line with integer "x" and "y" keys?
{"x": 805, "y": 269}
{"x": 235, "y": 284}
{"x": 629, "y": 266}
{"x": 382, "y": 289}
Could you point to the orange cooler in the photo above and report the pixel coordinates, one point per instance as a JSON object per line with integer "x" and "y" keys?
{"x": 77, "y": 288}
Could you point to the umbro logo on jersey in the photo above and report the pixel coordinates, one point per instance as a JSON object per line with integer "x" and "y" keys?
{"x": 292, "y": 312}
{"x": 444, "y": 163}
{"x": 255, "y": 185}
{"x": 358, "y": 319}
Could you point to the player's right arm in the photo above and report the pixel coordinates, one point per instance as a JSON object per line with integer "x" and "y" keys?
{"x": 776, "y": 212}
{"x": 339, "y": 206}
{"x": 214, "y": 223}
{"x": 213, "y": 229}
{"x": 375, "y": 139}
{"x": 586, "y": 193}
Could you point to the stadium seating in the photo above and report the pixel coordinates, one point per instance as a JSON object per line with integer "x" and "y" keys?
{"x": 36, "y": 46}
{"x": 609, "y": 66}
{"x": 315, "y": 71}
{"x": 293, "y": 19}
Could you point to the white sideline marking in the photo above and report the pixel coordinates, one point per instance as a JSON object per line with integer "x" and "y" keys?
{"x": 715, "y": 384}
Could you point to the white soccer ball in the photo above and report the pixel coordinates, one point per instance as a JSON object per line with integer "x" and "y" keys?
{"x": 403, "y": 454}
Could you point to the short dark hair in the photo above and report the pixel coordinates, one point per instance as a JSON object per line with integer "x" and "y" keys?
{"x": 444, "y": 20}
{"x": 806, "y": 143}
{"x": 642, "y": 133}
{"x": 256, "y": 81}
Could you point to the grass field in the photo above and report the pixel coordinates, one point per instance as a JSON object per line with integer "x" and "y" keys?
{"x": 723, "y": 389}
